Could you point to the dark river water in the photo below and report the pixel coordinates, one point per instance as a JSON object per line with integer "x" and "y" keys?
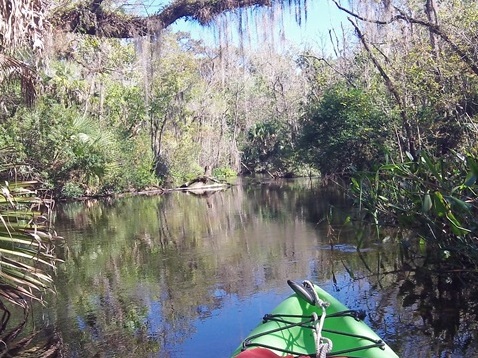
{"x": 179, "y": 275}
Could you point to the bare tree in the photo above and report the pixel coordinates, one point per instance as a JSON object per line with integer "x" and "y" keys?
{"x": 433, "y": 27}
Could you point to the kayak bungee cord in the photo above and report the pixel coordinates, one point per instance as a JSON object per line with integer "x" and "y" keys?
{"x": 358, "y": 315}
{"x": 306, "y": 323}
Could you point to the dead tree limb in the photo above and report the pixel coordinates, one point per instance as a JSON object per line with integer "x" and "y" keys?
{"x": 432, "y": 27}
{"x": 394, "y": 92}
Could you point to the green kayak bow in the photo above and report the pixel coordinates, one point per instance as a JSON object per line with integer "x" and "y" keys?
{"x": 311, "y": 322}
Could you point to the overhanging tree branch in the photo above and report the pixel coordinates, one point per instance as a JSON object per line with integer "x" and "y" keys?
{"x": 91, "y": 19}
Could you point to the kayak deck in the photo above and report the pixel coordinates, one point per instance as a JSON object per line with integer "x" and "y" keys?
{"x": 289, "y": 329}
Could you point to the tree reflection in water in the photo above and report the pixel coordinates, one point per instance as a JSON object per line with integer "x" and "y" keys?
{"x": 177, "y": 275}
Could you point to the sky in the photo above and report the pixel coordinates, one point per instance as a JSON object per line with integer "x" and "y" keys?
{"x": 322, "y": 16}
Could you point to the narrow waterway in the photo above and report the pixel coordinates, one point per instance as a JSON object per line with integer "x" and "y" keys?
{"x": 180, "y": 275}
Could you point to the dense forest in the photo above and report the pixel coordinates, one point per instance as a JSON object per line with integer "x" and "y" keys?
{"x": 95, "y": 110}
{"x": 98, "y": 98}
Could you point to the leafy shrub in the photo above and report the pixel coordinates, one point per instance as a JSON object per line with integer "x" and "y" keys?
{"x": 180, "y": 157}
{"x": 268, "y": 147}
{"x": 132, "y": 167}
{"x": 71, "y": 190}
{"x": 224, "y": 173}
{"x": 344, "y": 131}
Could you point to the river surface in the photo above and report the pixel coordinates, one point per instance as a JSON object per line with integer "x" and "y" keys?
{"x": 180, "y": 275}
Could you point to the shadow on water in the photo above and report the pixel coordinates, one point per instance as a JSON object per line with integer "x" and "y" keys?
{"x": 179, "y": 275}
{"x": 20, "y": 337}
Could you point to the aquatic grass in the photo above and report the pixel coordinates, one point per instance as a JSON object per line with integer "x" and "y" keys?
{"x": 435, "y": 198}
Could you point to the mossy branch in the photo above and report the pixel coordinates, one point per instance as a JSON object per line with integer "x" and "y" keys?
{"x": 92, "y": 19}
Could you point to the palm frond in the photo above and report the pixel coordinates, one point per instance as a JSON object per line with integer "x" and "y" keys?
{"x": 26, "y": 247}
{"x": 14, "y": 71}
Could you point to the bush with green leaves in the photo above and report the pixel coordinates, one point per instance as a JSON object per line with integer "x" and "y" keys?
{"x": 344, "y": 131}
{"x": 40, "y": 137}
{"x": 224, "y": 173}
{"x": 132, "y": 166}
{"x": 58, "y": 144}
{"x": 71, "y": 190}
{"x": 75, "y": 153}
{"x": 181, "y": 157}
{"x": 268, "y": 147}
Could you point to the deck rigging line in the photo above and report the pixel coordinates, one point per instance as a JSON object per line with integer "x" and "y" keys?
{"x": 307, "y": 322}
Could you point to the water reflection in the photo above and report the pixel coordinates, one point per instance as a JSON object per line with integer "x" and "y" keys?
{"x": 179, "y": 275}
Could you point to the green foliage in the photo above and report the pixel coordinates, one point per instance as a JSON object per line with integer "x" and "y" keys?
{"x": 182, "y": 159}
{"x": 85, "y": 135}
{"x": 59, "y": 145}
{"x": 175, "y": 78}
{"x": 75, "y": 153}
{"x": 132, "y": 167}
{"x": 71, "y": 190}
{"x": 109, "y": 112}
{"x": 268, "y": 146}
{"x": 125, "y": 107}
{"x": 435, "y": 197}
{"x": 41, "y": 136}
{"x": 224, "y": 173}
{"x": 344, "y": 131}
